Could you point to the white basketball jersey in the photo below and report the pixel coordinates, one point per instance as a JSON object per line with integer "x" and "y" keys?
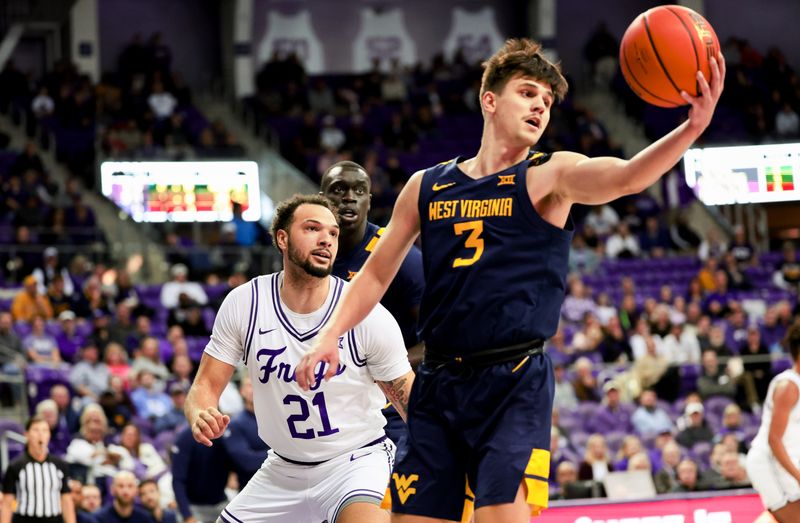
{"x": 382, "y": 35}
{"x": 336, "y": 416}
{"x": 791, "y": 437}
{"x": 292, "y": 33}
{"x": 474, "y": 32}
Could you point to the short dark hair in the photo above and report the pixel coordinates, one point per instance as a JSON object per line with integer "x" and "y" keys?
{"x": 792, "y": 341}
{"x": 35, "y": 419}
{"x": 522, "y": 56}
{"x": 148, "y": 481}
{"x": 284, "y": 213}
{"x": 344, "y": 165}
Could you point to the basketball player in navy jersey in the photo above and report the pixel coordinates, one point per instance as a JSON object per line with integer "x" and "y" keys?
{"x": 495, "y": 233}
{"x": 347, "y": 185}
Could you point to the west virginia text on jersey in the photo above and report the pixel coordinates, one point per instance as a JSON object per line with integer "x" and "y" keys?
{"x": 495, "y": 269}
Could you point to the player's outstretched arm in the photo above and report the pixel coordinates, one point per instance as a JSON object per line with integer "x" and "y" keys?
{"x": 784, "y": 398}
{"x": 368, "y": 286}
{"x": 398, "y": 391}
{"x": 599, "y": 180}
{"x": 206, "y": 421}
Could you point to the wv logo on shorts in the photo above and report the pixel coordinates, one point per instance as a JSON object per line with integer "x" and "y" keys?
{"x": 403, "y": 486}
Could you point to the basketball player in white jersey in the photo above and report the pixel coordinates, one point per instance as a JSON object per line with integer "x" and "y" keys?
{"x": 330, "y": 458}
{"x": 773, "y": 463}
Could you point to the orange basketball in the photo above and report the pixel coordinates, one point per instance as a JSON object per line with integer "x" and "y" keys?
{"x": 663, "y": 49}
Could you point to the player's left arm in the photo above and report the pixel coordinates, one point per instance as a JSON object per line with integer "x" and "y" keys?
{"x": 398, "y": 391}
{"x": 599, "y": 180}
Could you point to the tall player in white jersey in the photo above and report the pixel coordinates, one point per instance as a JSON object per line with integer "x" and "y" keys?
{"x": 330, "y": 458}
{"x": 773, "y": 463}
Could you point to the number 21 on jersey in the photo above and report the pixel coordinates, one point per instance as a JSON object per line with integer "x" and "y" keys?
{"x": 473, "y": 241}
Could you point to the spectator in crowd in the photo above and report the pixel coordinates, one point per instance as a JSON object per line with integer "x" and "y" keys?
{"x": 565, "y": 397}
{"x": 51, "y": 268}
{"x": 731, "y": 423}
{"x": 649, "y": 419}
{"x": 654, "y": 240}
{"x": 147, "y": 462}
{"x": 742, "y": 250}
{"x": 148, "y": 358}
{"x": 652, "y": 370}
{"x": 577, "y": 303}
{"x": 602, "y": 219}
{"x": 737, "y": 279}
{"x": 35, "y": 487}
{"x": 200, "y": 496}
{"x": 142, "y": 330}
{"x": 12, "y": 359}
{"x": 787, "y": 273}
{"x": 149, "y": 398}
{"x": 89, "y": 450}
{"x": 91, "y": 499}
{"x": 183, "y": 369}
{"x": 116, "y": 360}
{"x": 630, "y": 445}
{"x": 585, "y": 383}
{"x": 60, "y": 436}
{"x": 640, "y": 461}
{"x": 69, "y": 339}
{"x": 614, "y": 346}
{"x": 161, "y": 102}
{"x": 712, "y": 246}
{"x": 682, "y": 345}
{"x": 582, "y": 258}
{"x": 612, "y": 414}
{"x": 89, "y": 376}
{"x": 172, "y": 290}
{"x": 596, "y": 463}
{"x": 123, "y": 507}
{"x": 29, "y": 303}
{"x": 40, "y": 347}
{"x": 705, "y": 276}
{"x": 733, "y": 472}
{"x": 122, "y": 327}
{"x": 787, "y": 122}
{"x": 245, "y": 447}
{"x": 67, "y": 414}
{"x": 622, "y": 244}
{"x": 666, "y": 479}
{"x": 696, "y": 430}
{"x": 117, "y": 404}
{"x": 714, "y": 380}
{"x": 566, "y": 473}
{"x": 150, "y": 496}
{"x": 174, "y": 418}
{"x": 757, "y": 367}
{"x": 716, "y": 341}
{"x": 687, "y": 477}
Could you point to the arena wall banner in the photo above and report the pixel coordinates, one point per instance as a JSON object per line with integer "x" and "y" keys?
{"x": 742, "y": 508}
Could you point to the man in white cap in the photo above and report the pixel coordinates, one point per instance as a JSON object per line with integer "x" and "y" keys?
{"x": 51, "y": 268}
{"x": 697, "y": 429}
{"x": 172, "y": 290}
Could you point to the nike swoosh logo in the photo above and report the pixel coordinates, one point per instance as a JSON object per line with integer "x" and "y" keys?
{"x": 353, "y": 457}
{"x": 437, "y": 187}
{"x": 264, "y": 332}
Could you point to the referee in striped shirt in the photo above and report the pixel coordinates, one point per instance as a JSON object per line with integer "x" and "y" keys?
{"x": 35, "y": 488}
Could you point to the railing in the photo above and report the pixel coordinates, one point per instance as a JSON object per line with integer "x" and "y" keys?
{"x": 4, "y": 452}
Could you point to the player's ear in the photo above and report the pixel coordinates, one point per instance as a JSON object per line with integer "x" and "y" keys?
{"x": 488, "y": 101}
{"x": 282, "y": 239}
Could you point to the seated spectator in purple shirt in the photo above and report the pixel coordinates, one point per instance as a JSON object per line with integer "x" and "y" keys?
{"x": 612, "y": 414}
{"x": 772, "y": 332}
{"x": 577, "y": 303}
{"x": 716, "y": 303}
{"x": 39, "y": 346}
{"x": 69, "y": 340}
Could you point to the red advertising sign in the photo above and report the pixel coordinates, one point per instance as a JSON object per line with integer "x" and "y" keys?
{"x": 724, "y": 509}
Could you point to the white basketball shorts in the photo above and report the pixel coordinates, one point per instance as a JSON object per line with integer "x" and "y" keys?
{"x": 286, "y": 492}
{"x": 776, "y": 487}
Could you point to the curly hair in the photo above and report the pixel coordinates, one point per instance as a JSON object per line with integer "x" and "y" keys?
{"x": 792, "y": 340}
{"x": 522, "y": 57}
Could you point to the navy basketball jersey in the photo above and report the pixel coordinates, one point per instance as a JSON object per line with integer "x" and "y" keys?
{"x": 495, "y": 270}
{"x": 404, "y": 294}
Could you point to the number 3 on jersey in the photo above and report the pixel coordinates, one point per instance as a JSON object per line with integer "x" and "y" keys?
{"x": 473, "y": 241}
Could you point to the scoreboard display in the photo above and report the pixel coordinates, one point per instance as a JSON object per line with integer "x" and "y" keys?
{"x": 182, "y": 191}
{"x": 744, "y": 174}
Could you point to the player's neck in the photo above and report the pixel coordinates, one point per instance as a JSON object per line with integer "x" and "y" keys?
{"x": 493, "y": 156}
{"x": 303, "y": 293}
{"x": 349, "y": 239}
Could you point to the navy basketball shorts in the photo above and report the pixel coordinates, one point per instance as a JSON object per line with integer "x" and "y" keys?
{"x": 488, "y": 426}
